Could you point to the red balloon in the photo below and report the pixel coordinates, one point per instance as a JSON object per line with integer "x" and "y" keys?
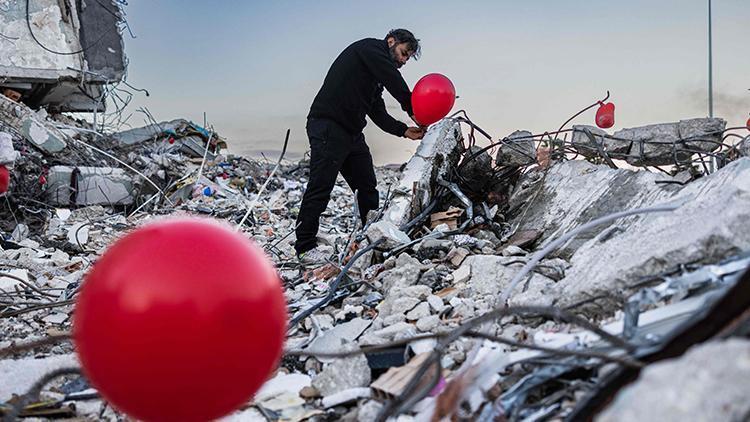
{"x": 748, "y": 124}
{"x": 4, "y": 179}
{"x": 180, "y": 320}
{"x": 605, "y": 115}
{"x": 432, "y": 98}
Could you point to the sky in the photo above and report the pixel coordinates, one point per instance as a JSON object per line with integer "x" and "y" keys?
{"x": 254, "y": 67}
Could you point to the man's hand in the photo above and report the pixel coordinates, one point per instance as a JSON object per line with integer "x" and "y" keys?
{"x": 414, "y": 133}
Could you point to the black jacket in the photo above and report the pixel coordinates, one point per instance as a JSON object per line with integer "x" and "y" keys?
{"x": 354, "y": 85}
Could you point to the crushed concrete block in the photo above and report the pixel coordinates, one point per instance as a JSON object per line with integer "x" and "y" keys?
{"x": 420, "y": 311}
{"x": 661, "y": 144}
{"x": 35, "y": 130}
{"x": 68, "y": 186}
{"x": 388, "y": 333}
{"x": 490, "y": 274}
{"x": 552, "y": 268}
{"x": 391, "y": 235}
{"x": 7, "y": 154}
{"x": 401, "y": 305}
{"x": 392, "y": 319}
{"x": 428, "y": 323}
{"x": 439, "y": 150}
{"x": 711, "y": 225}
{"x": 710, "y": 381}
{"x": 436, "y": 303}
{"x": 19, "y": 375}
{"x": 517, "y": 150}
{"x": 333, "y": 339}
{"x": 513, "y": 250}
{"x": 369, "y": 411}
{"x": 343, "y": 374}
{"x": 614, "y": 148}
{"x": 576, "y": 192}
{"x": 418, "y": 291}
{"x": 8, "y": 284}
{"x": 405, "y": 273}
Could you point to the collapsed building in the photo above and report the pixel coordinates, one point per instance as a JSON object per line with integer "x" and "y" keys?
{"x": 573, "y": 274}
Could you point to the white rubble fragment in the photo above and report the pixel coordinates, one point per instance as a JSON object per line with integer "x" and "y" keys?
{"x": 18, "y": 375}
{"x": 428, "y": 323}
{"x": 78, "y": 234}
{"x": 8, "y": 284}
{"x": 343, "y": 374}
{"x": 20, "y": 233}
{"x": 420, "y": 311}
{"x": 436, "y": 303}
{"x": 333, "y": 339}
{"x": 7, "y": 154}
{"x": 55, "y": 318}
{"x": 391, "y": 235}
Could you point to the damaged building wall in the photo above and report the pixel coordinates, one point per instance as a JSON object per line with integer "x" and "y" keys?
{"x": 45, "y": 78}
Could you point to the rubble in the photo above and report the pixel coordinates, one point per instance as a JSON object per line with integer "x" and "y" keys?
{"x": 409, "y": 316}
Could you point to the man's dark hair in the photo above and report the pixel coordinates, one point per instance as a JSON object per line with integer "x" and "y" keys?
{"x": 405, "y": 36}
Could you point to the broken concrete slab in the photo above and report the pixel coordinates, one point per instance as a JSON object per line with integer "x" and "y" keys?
{"x": 439, "y": 150}
{"x": 517, "y": 150}
{"x": 668, "y": 143}
{"x": 712, "y": 224}
{"x": 7, "y": 154}
{"x": 19, "y": 375}
{"x": 488, "y": 275}
{"x": 69, "y": 186}
{"x": 35, "y": 130}
{"x": 709, "y": 382}
{"x": 576, "y": 192}
{"x": 8, "y": 284}
{"x": 333, "y": 339}
{"x": 391, "y": 235}
{"x": 581, "y": 142}
{"x": 405, "y": 273}
{"x": 343, "y": 374}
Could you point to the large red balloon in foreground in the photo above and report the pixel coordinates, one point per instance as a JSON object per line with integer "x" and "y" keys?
{"x": 180, "y": 320}
{"x": 4, "y": 179}
{"x": 432, "y": 98}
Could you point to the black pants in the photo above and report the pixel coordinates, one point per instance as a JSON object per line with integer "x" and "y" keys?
{"x": 333, "y": 150}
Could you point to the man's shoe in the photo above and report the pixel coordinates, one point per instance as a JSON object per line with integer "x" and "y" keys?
{"x": 314, "y": 256}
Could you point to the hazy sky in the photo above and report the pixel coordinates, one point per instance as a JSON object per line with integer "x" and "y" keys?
{"x": 254, "y": 67}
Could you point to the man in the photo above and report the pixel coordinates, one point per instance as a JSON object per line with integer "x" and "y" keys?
{"x": 352, "y": 89}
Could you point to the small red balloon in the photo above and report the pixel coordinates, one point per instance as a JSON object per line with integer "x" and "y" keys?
{"x": 4, "y": 179}
{"x": 605, "y": 115}
{"x": 180, "y": 320}
{"x": 748, "y": 124}
{"x": 432, "y": 98}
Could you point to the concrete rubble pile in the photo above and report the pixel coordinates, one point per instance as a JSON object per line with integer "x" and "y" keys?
{"x": 453, "y": 301}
